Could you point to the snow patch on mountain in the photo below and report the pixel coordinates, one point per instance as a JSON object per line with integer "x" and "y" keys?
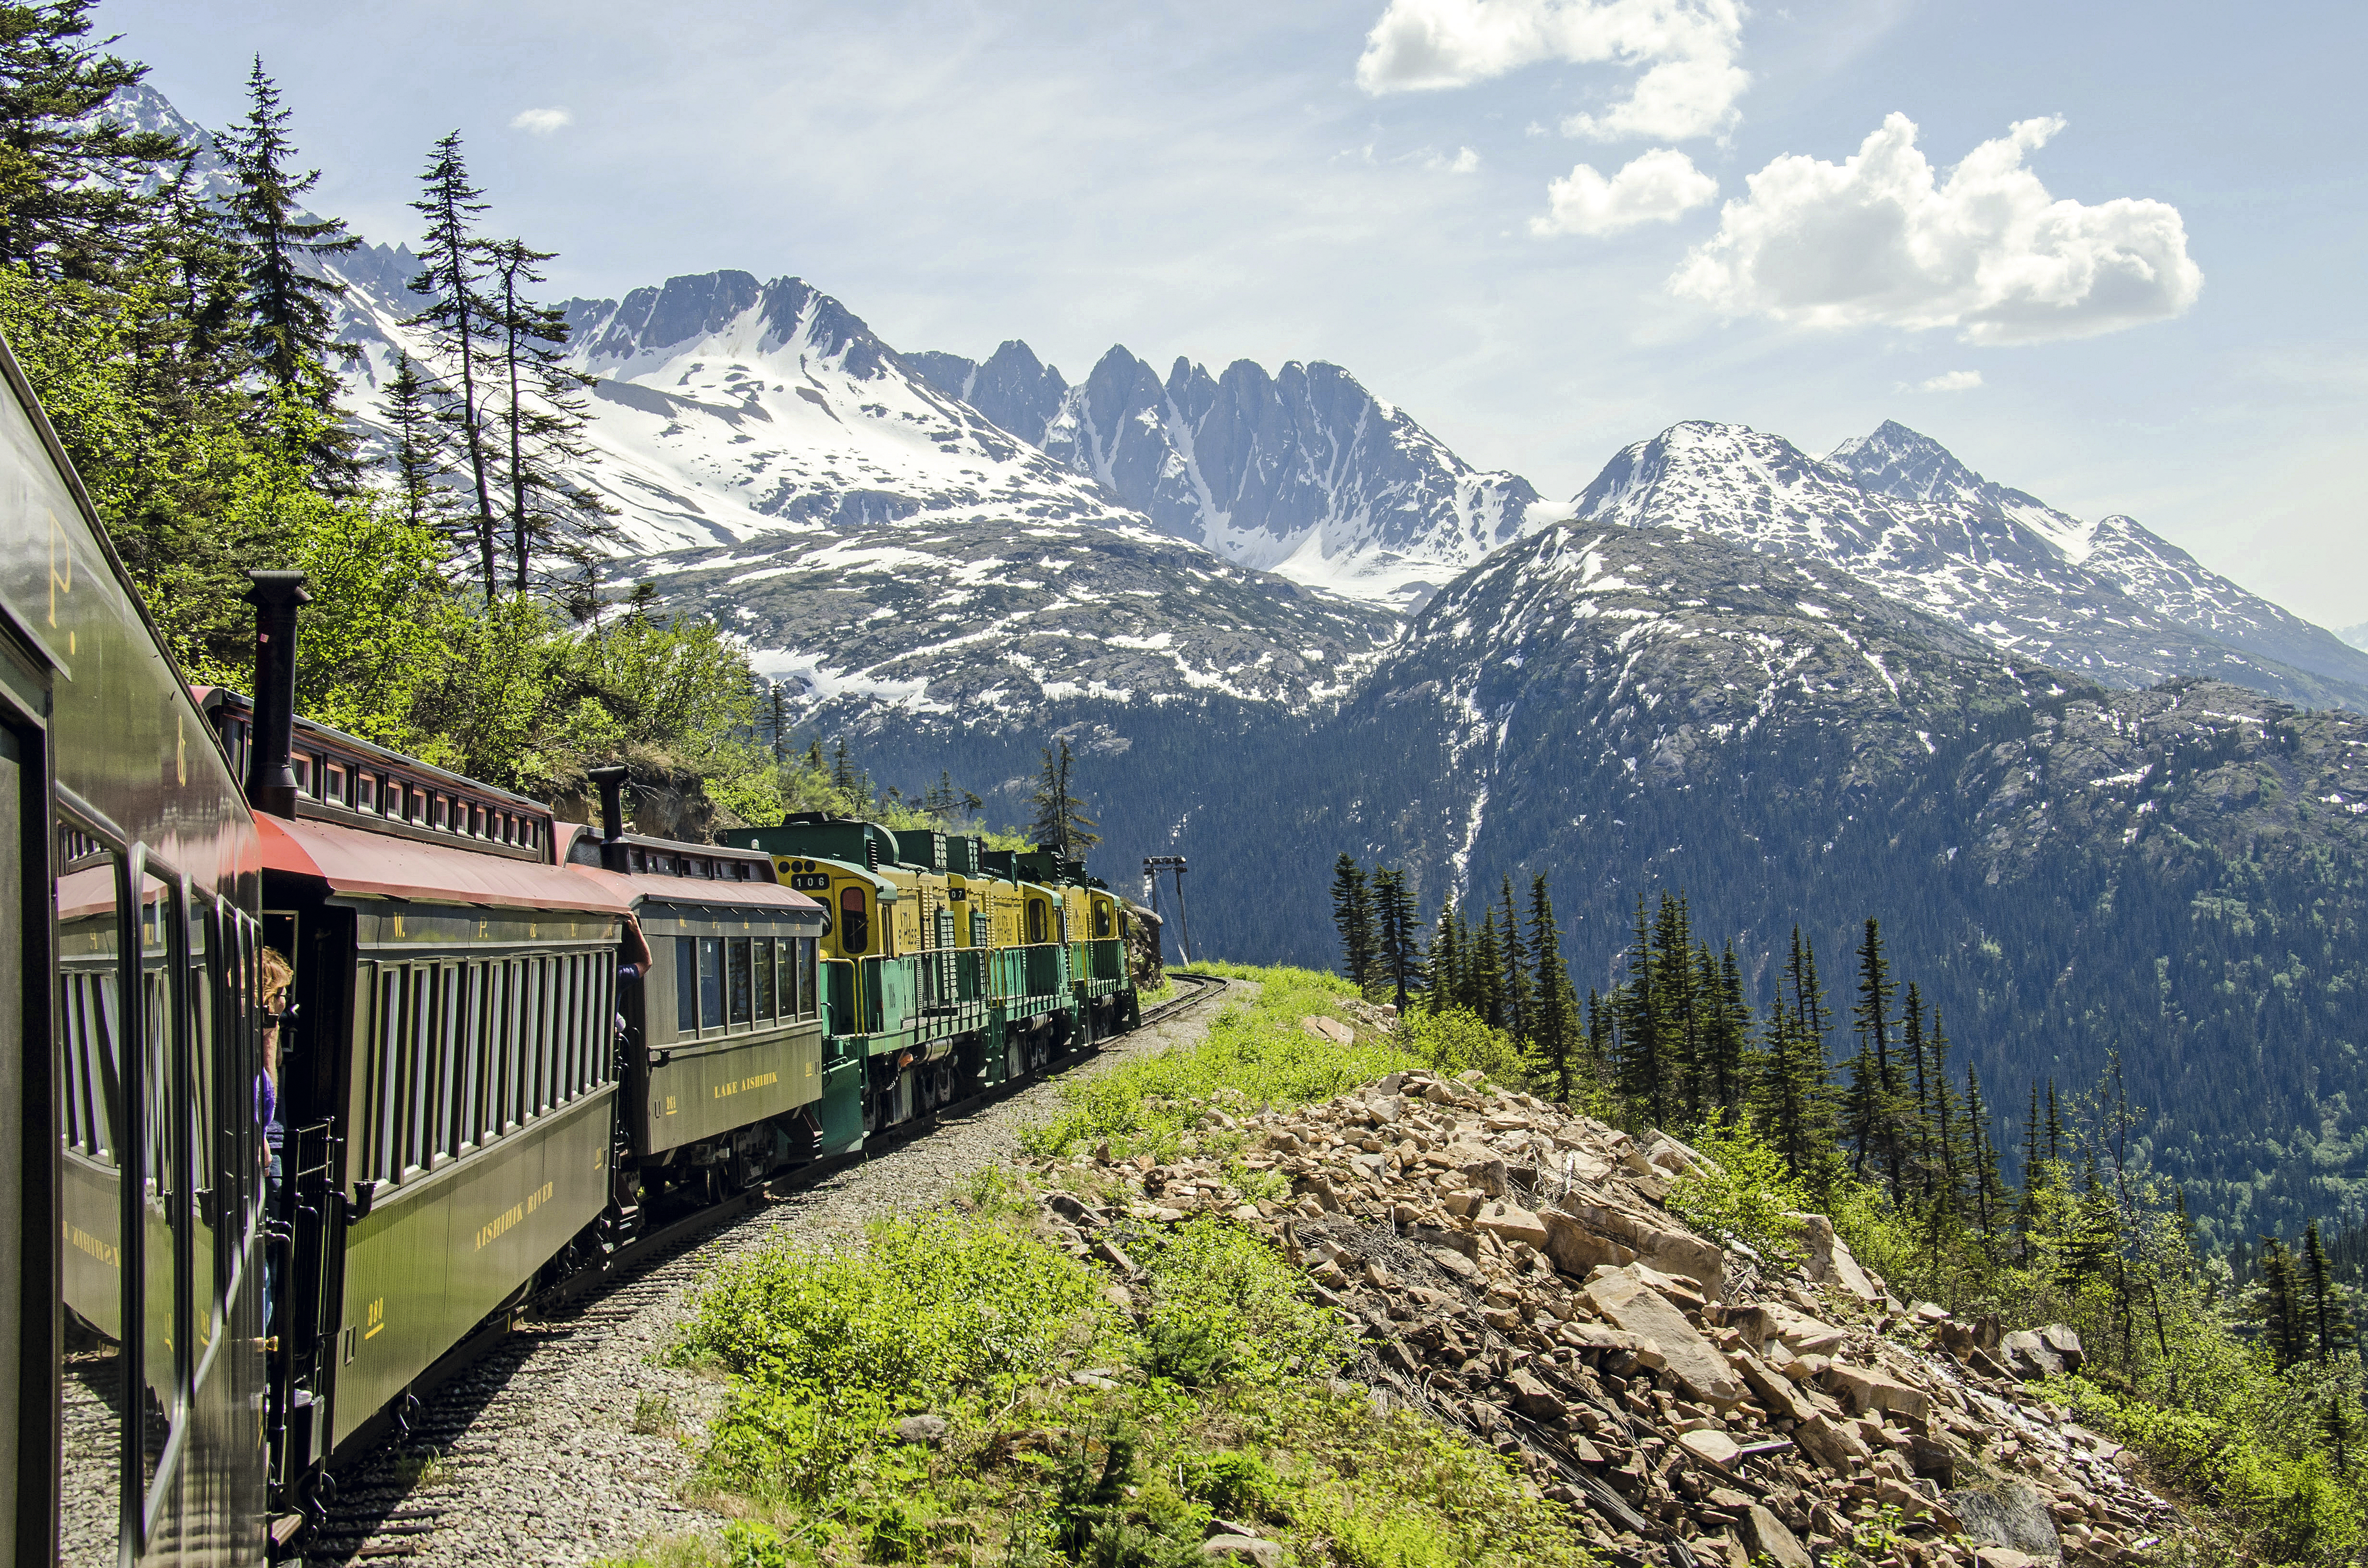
{"x": 2109, "y": 600}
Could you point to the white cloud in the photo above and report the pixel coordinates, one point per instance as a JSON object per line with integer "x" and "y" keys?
{"x": 1465, "y": 162}
{"x": 1881, "y": 239}
{"x": 541, "y": 121}
{"x": 1947, "y": 380}
{"x": 1685, "y": 49}
{"x": 1656, "y": 188}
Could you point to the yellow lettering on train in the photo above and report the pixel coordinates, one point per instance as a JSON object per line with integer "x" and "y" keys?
{"x": 82, "y": 1241}
{"x": 376, "y": 1318}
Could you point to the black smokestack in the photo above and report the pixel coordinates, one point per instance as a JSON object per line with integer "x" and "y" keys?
{"x": 270, "y": 781}
{"x": 611, "y": 780}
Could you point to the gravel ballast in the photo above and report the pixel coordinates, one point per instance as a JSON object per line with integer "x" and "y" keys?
{"x": 574, "y": 1439}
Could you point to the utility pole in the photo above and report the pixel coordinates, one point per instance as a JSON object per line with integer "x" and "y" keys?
{"x": 1152, "y": 866}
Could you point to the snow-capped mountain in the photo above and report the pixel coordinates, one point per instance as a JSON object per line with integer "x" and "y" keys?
{"x": 1896, "y": 460}
{"x": 1303, "y": 472}
{"x": 2357, "y": 635}
{"x": 2108, "y": 600}
{"x": 878, "y": 542}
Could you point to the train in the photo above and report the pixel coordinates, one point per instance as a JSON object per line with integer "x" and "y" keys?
{"x": 498, "y": 1046}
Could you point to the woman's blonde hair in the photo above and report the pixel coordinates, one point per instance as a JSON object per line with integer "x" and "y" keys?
{"x": 272, "y": 976}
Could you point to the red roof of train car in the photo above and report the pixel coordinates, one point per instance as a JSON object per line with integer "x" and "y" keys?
{"x": 374, "y": 865}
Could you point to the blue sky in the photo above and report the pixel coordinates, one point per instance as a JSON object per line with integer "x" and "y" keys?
{"x": 2155, "y": 282}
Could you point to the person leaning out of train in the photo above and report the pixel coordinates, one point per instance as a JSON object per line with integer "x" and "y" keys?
{"x": 273, "y": 982}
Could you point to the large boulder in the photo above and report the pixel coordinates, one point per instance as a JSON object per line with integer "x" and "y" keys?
{"x": 1635, "y": 1306}
{"x": 1830, "y": 1262}
{"x": 2013, "y": 1516}
{"x": 2031, "y": 1354}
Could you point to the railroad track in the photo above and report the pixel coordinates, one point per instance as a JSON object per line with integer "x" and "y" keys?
{"x": 381, "y": 1507}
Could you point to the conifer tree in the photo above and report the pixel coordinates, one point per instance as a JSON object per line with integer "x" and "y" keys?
{"x": 1352, "y": 913}
{"x": 1640, "y": 1074}
{"x": 2322, "y": 1299}
{"x": 422, "y": 454}
{"x": 72, "y": 176}
{"x": 1060, "y": 821}
{"x": 541, "y": 417}
{"x": 2285, "y": 1318}
{"x": 1989, "y": 1193}
{"x": 462, "y": 324}
{"x": 287, "y": 302}
{"x": 1551, "y": 1040}
{"x": 1874, "y": 1083}
{"x": 1512, "y": 955}
{"x": 1673, "y": 985}
{"x": 1603, "y": 1037}
{"x": 1401, "y": 952}
{"x": 1447, "y": 982}
{"x": 1487, "y": 975}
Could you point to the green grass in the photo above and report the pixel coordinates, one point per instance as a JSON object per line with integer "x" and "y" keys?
{"x": 1215, "y": 1396}
{"x": 1254, "y": 1055}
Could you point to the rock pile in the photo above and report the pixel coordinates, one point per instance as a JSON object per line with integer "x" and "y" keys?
{"x": 1515, "y": 1273}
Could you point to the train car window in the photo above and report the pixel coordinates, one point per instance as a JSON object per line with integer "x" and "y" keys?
{"x": 1035, "y": 920}
{"x": 202, "y": 1121}
{"x": 163, "y": 1185}
{"x": 544, "y": 996}
{"x": 743, "y": 994}
{"x": 451, "y": 1026}
{"x": 854, "y": 924}
{"x": 90, "y": 1041}
{"x": 809, "y": 998}
{"x": 579, "y": 1026}
{"x": 302, "y": 765}
{"x": 506, "y": 1046}
{"x": 766, "y": 994}
{"x": 685, "y": 987}
{"x": 1102, "y": 920}
{"x": 366, "y": 792}
{"x": 785, "y": 976}
{"x": 711, "y": 983}
{"x": 417, "y": 1080}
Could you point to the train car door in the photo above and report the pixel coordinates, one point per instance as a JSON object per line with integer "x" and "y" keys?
{"x": 28, "y": 1315}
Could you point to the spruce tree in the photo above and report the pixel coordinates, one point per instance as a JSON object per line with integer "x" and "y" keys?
{"x": 1487, "y": 975}
{"x": 1875, "y": 1099}
{"x": 1060, "y": 821}
{"x": 1401, "y": 955}
{"x": 2322, "y": 1299}
{"x": 2285, "y": 1319}
{"x": 461, "y": 323}
{"x": 287, "y": 301}
{"x": 71, "y": 175}
{"x": 1552, "y": 1036}
{"x": 1513, "y": 955}
{"x": 1603, "y": 1037}
{"x": 1640, "y": 1071}
{"x": 422, "y": 454}
{"x": 1447, "y": 962}
{"x": 1989, "y": 1194}
{"x": 540, "y": 418}
{"x": 1352, "y": 914}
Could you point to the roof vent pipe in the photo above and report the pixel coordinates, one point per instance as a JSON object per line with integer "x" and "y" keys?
{"x": 270, "y": 779}
{"x": 611, "y": 780}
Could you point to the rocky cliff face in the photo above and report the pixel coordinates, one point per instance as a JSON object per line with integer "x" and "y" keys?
{"x": 1516, "y": 1276}
{"x": 1303, "y": 473}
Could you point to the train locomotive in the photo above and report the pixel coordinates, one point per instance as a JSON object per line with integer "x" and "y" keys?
{"x": 511, "y": 1046}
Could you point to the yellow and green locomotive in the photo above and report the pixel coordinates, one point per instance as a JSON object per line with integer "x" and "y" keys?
{"x": 949, "y": 968}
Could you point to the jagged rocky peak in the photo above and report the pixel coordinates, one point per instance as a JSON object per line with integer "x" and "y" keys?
{"x": 729, "y": 309}
{"x": 1300, "y": 471}
{"x": 1011, "y": 386}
